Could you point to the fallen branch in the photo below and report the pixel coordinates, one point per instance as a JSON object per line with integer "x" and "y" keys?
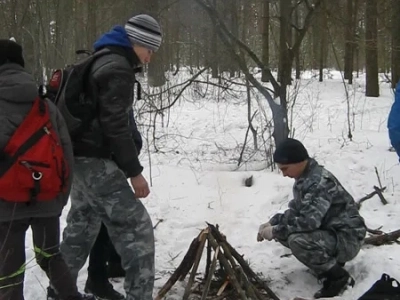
{"x": 379, "y": 178}
{"x": 370, "y": 195}
{"x": 375, "y": 231}
{"x": 386, "y": 238}
{"x": 158, "y": 222}
{"x": 380, "y": 195}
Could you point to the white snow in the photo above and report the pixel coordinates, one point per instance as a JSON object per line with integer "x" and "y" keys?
{"x": 195, "y": 180}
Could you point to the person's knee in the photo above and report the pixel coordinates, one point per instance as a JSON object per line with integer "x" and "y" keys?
{"x": 348, "y": 249}
{"x": 297, "y": 242}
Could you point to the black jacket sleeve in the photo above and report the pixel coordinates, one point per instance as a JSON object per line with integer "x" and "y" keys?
{"x": 115, "y": 98}
{"x": 136, "y": 136}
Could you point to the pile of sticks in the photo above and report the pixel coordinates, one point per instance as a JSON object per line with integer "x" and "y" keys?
{"x": 238, "y": 280}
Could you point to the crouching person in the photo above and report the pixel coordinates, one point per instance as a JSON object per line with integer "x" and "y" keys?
{"x": 35, "y": 179}
{"x": 322, "y": 225}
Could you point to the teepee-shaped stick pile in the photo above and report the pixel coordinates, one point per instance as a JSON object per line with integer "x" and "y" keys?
{"x": 234, "y": 280}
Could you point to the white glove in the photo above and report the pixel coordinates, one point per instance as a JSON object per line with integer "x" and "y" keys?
{"x": 260, "y": 229}
{"x": 267, "y": 234}
{"x": 262, "y": 226}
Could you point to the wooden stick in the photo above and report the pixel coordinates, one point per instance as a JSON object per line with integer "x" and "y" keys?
{"x": 221, "y": 296}
{"x": 186, "y": 268}
{"x": 380, "y": 195}
{"x": 246, "y": 282}
{"x": 369, "y": 196}
{"x": 180, "y": 272}
{"x": 223, "y": 287}
{"x": 208, "y": 262}
{"x": 251, "y": 290}
{"x": 228, "y": 268}
{"x": 249, "y": 272}
{"x": 203, "y": 238}
{"x": 379, "y": 179}
{"x": 158, "y": 222}
{"x": 382, "y": 239}
{"x": 210, "y": 274}
{"x": 375, "y": 231}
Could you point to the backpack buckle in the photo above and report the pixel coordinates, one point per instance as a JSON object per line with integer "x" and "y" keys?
{"x": 37, "y": 175}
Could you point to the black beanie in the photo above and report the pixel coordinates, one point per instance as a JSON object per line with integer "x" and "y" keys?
{"x": 10, "y": 51}
{"x": 290, "y": 151}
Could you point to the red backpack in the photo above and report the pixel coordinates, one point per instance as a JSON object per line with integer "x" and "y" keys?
{"x": 32, "y": 165}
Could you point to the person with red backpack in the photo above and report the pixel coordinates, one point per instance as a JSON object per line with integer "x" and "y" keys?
{"x": 35, "y": 178}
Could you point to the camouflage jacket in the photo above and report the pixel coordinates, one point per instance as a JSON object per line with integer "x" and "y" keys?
{"x": 320, "y": 202}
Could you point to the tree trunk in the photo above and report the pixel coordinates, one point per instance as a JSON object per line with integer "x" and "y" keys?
{"x": 322, "y": 42}
{"x": 265, "y": 40}
{"x": 156, "y": 75}
{"x": 235, "y": 32}
{"x": 297, "y": 54}
{"x": 371, "y": 49}
{"x": 214, "y": 48}
{"x": 395, "y": 43}
{"x": 348, "y": 56}
{"x": 285, "y": 63}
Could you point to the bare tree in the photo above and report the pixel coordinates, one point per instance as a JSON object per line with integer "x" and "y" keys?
{"x": 395, "y": 35}
{"x": 278, "y": 107}
{"x": 265, "y": 39}
{"x": 371, "y": 48}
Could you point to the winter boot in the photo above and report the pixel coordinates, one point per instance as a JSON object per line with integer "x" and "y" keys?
{"x": 51, "y": 294}
{"x": 334, "y": 282}
{"x": 102, "y": 290}
{"x": 115, "y": 270}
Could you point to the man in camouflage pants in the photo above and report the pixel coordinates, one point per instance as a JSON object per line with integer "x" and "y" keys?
{"x": 322, "y": 226}
{"x": 106, "y": 156}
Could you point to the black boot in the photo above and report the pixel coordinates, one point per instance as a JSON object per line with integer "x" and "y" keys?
{"x": 102, "y": 290}
{"x": 52, "y": 295}
{"x": 335, "y": 281}
{"x": 83, "y": 297}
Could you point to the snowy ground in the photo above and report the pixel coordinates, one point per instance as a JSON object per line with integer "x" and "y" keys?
{"x": 194, "y": 180}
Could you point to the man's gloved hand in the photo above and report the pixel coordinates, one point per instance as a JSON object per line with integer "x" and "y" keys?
{"x": 267, "y": 234}
{"x": 260, "y": 229}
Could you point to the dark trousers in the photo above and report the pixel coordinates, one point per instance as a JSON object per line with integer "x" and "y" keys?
{"x": 46, "y": 242}
{"x": 102, "y": 253}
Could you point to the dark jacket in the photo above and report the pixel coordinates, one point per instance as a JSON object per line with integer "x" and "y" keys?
{"x": 17, "y": 92}
{"x": 111, "y": 82}
{"x": 320, "y": 203}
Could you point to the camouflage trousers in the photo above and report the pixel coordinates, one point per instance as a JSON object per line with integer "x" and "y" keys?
{"x": 101, "y": 193}
{"x": 320, "y": 250}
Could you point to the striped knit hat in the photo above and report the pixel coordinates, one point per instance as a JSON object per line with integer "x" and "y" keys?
{"x": 145, "y": 31}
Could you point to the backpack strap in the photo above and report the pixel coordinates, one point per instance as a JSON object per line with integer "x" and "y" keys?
{"x": 139, "y": 90}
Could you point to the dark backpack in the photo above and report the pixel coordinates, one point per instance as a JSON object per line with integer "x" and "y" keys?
{"x": 386, "y": 288}
{"x": 32, "y": 165}
{"x": 67, "y": 89}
